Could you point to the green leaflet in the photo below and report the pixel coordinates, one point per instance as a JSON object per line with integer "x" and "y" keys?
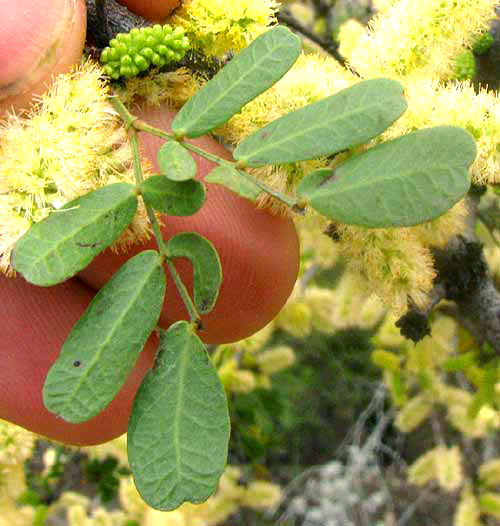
{"x": 176, "y": 162}
{"x": 312, "y": 181}
{"x": 251, "y": 72}
{"x": 179, "y": 429}
{"x": 350, "y": 117}
{"x": 175, "y": 198}
{"x": 68, "y": 240}
{"x": 206, "y": 265}
{"x": 105, "y": 343}
{"x": 409, "y": 180}
{"x": 235, "y": 181}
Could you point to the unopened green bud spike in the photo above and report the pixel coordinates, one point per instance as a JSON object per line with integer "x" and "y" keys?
{"x": 130, "y": 53}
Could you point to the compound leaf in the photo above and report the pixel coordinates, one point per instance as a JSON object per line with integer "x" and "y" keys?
{"x": 179, "y": 429}
{"x": 105, "y": 343}
{"x": 249, "y": 73}
{"x": 66, "y": 241}
{"x": 403, "y": 182}
{"x": 175, "y": 198}
{"x": 350, "y": 117}
{"x": 176, "y": 162}
{"x": 206, "y": 266}
{"x": 235, "y": 181}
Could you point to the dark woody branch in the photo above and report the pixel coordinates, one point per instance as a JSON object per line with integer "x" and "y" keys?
{"x": 464, "y": 271}
{"x": 463, "y": 277}
{"x": 107, "y": 18}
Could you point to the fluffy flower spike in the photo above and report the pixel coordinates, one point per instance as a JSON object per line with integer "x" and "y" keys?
{"x": 218, "y": 26}
{"x": 421, "y": 37}
{"x": 71, "y": 143}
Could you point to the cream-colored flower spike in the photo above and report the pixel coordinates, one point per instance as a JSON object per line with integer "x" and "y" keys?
{"x": 70, "y": 144}
{"x": 218, "y": 26}
{"x": 420, "y": 37}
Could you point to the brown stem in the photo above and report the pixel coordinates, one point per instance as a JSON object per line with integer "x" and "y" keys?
{"x": 286, "y": 17}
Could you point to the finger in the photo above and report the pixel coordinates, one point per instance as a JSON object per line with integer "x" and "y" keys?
{"x": 151, "y": 9}
{"x": 35, "y": 323}
{"x": 38, "y": 40}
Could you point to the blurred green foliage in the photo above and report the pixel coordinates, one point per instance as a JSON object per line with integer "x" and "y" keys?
{"x": 305, "y": 416}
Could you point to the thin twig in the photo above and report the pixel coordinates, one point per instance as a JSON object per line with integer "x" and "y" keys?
{"x": 285, "y": 17}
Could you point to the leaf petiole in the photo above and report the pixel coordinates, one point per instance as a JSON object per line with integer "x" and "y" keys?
{"x": 131, "y": 122}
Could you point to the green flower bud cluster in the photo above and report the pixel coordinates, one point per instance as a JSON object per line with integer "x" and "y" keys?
{"x": 483, "y": 43}
{"x": 130, "y": 53}
{"x": 465, "y": 66}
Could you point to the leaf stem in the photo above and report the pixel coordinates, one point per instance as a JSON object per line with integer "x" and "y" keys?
{"x": 139, "y": 178}
{"x": 145, "y": 127}
{"x": 289, "y": 201}
{"x": 186, "y": 298}
{"x": 130, "y": 122}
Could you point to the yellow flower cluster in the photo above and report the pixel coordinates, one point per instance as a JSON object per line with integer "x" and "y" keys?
{"x": 397, "y": 264}
{"x": 326, "y": 310}
{"x": 218, "y": 26}
{"x": 414, "y": 413}
{"x": 434, "y": 103}
{"x": 420, "y": 37}
{"x": 16, "y": 446}
{"x": 442, "y": 464}
{"x": 249, "y": 364}
{"x": 382, "y": 5}
{"x": 468, "y": 511}
{"x": 394, "y": 263}
{"x": 489, "y": 473}
{"x": 71, "y": 143}
{"x": 349, "y": 34}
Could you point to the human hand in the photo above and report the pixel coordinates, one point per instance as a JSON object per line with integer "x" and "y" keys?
{"x": 259, "y": 258}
